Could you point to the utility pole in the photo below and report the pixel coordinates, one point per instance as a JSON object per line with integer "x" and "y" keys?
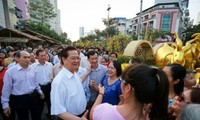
{"x": 139, "y": 32}
{"x": 108, "y": 9}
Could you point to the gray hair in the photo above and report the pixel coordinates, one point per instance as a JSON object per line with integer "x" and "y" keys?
{"x": 190, "y": 112}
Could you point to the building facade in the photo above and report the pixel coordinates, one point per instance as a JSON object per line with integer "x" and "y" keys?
{"x": 166, "y": 1}
{"x": 171, "y": 16}
{"x": 120, "y": 24}
{"x": 55, "y": 22}
{"x": 81, "y": 32}
{"x": 129, "y": 26}
{"x": 58, "y": 22}
{"x": 2, "y": 15}
{"x": 13, "y": 11}
{"x": 22, "y": 5}
{"x": 162, "y": 16}
{"x": 9, "y": 13}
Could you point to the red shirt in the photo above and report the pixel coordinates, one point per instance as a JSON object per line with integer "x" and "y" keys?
{"x": 2, "y": 72}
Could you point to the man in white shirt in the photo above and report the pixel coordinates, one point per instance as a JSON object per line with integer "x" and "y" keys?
{"x": 84, "y": 60}
{"x": 44, "y": 77}
{"x": 68, "y": 99}
{"x": 21, "y": 89}
{"x": 32, "y": 58}
{"x": 57, "y": 67}
{"x": 81, "y": 55}
{"x": 56, "y": 57}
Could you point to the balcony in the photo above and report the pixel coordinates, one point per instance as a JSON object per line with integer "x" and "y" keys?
{"x": 186, "y": 18}
{"x": 186, "y": 12}
{"x": 18, "y": 13}
{"x": 147, "y": 19}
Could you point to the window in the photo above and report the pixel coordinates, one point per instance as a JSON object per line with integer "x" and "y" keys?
{"x": 136, "y": 21}
{"x": 146, "y": 17}
{"x": 153, "y": 16}
{"x": 166, "y": 21}
{"x": 150, "y": 25}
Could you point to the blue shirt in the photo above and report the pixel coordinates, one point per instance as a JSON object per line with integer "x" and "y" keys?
{"x": 112, "y": 92}
{"x": 97, "y": 76}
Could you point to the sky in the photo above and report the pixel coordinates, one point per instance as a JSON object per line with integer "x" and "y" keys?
{"x": 90, "y": 13}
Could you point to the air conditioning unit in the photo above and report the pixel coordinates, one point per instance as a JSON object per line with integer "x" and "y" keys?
{"x": 186, "y": 18}
{"x": 186, "y": 12}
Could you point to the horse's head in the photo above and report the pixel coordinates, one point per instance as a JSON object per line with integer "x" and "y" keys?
{"x": 178, "y": 57}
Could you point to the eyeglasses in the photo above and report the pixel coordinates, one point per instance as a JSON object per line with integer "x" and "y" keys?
{"x": 182, "y": 98}
{"x": 123, "y": 81}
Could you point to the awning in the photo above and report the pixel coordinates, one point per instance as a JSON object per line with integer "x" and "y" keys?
{"x": 43, "y": 37}
{"x": 13, "y": 39}
{"x": 13, "y": 34}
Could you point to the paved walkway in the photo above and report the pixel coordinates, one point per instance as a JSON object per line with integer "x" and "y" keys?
{"x": 44, "y": 117}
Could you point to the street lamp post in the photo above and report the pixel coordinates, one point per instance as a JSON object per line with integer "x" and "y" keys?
{"x": 108, "y": 9}
{"x": 140, "y": 22}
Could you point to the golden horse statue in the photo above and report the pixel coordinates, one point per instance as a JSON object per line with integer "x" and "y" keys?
{"x": 170, "y": 53}
{"x": 188, "y": 55}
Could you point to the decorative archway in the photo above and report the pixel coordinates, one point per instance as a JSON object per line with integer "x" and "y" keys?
{"x": 141, "y": 49}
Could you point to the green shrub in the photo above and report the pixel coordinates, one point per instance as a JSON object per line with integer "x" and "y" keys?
{"x": 124, "y": 59}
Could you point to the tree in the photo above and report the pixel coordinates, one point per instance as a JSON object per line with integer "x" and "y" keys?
{"x": 84, "y": 44}
{"x": 68, "y": 41}
{"x": 118, "y": 43}
{"x": 153, "y": 35}
{"x": 111, "y": 22}
{"x": 111, "y": 31}
{"x": 133, "y": 37}
{"x": 41, "y": 10}
{"x": 43, "y": 29}
{"x": 99, "y": 35}
{"x": 88, "y": 38}
{"x": 64, "y": 35}
{"x": 190, "y": 31}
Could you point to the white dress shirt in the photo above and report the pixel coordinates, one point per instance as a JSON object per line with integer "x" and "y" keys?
{"x": 81, "y": 55}
{"x": 85, "y": 83}
{"x": 67, "y": 94}
{"x": 56, "y": 59}
{"x": 43, "y": 72}
{"x": 56, "y": 69}
{"x": 18, "y": 81}
{"x": 84, "y": 62}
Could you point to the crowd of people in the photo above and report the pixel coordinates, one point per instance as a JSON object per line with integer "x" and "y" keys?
{"x": 89, "y": 84}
